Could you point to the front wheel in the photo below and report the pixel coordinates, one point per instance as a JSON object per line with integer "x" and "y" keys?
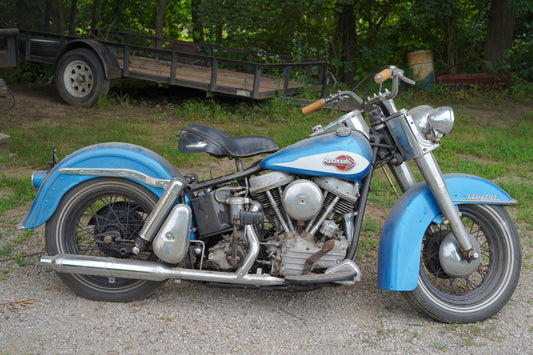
{"x": 102, "y": 217}
{"x": 488, "y": 288}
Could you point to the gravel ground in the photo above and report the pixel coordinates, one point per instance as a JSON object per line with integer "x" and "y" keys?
{"x": 186, "y": 317}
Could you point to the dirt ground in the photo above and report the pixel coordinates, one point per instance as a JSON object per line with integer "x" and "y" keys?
{"x": 40, "y": 315}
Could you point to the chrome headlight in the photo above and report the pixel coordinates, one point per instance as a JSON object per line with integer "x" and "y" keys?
{"x": 441, "y": 120}
{"x": 420, "y": 115}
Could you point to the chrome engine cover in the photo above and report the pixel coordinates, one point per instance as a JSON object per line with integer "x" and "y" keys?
{"x": 296, "y": 251}
{"x": 302, "y": 199}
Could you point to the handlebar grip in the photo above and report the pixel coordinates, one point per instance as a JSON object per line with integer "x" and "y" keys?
{"x": 382, "y": 75}
{"x": 314, "y": 106}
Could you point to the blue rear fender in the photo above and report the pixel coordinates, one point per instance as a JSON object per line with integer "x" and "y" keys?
{"x": 408, "y": 220}
{"x": 104, "y": 155}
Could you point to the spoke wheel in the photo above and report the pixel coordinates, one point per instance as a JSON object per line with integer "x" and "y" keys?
{"x": 102, "y": 217}
{"x": 488, "y": 288}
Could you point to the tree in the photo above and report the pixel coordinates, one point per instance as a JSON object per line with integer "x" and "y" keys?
{"x": 501, "y": 23}
{"x": 197, "y": 27}
{"x": 346, "y": 35}
{"x": 159, "y": 21}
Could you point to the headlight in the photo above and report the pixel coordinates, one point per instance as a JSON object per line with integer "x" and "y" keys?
{"x": 441, "y": 120}
{"x": 420, "y": 116}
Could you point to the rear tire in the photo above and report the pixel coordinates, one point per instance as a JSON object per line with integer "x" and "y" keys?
{"x": 484, "y": 292}
{"x": 88, "y": 214}
{"x": 80, "y": 77}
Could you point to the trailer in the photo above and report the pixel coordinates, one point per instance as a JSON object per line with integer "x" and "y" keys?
{"x": 84, "y": 67}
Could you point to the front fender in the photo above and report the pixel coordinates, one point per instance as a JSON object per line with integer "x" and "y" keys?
{"x": 408, "y": 220}
{"x": 104, "y": 155}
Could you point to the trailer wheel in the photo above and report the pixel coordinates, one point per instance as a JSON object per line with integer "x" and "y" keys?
{"x": 80, "y": 78}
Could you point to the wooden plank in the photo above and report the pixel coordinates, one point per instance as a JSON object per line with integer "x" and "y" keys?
{"x": 232, "y": 79}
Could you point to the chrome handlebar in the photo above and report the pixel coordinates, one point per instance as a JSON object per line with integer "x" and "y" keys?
{"x": 391, "y": 71}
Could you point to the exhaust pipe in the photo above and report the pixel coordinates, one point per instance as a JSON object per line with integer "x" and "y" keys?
{"x": 146, "y": 270}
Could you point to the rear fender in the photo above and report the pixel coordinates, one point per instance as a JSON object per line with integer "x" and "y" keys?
{"x": 105, "y": 155}
{"x": 408, "y": 220}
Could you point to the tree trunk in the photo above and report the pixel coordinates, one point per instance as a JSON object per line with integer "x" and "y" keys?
{"x": 197, "y": 28}
{"x": 61, "y": 17}
{"x": 72, "y": 21}
{"x": 499, "y": 31}
{"x": 346, "y": 30}
{"x": 159, "y": 22}
{"x": 47, "y": 9}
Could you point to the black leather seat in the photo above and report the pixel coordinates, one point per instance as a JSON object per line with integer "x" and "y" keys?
{"x": 196, "y": 138}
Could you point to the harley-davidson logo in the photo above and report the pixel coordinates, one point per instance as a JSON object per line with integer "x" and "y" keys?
{"x": 342, "y": 162}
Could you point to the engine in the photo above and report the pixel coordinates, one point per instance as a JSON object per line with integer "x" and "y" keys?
{"x": 306, "y": 224}
{"x": 310, "y": 217}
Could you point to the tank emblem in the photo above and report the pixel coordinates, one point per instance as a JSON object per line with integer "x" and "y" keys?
{"x": 342, "y": 162}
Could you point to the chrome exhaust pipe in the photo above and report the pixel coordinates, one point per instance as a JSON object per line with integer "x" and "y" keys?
{"x": 146, "y": 270}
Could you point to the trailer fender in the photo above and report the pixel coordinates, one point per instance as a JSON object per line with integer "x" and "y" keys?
{"x": 105, "y": 55}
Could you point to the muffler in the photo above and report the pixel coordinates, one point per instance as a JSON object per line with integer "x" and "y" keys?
{"x": 146, "y": 270}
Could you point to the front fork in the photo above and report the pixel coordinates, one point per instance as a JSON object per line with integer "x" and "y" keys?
{"x": 430, "y": 170}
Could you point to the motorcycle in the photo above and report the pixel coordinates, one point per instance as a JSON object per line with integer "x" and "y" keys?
{"x": 121, "y": 220}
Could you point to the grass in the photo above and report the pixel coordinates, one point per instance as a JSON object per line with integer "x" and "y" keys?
{"x": 20, "y": 189}
{"x": 491, "y": 138}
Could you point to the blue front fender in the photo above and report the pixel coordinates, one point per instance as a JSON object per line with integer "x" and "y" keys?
{"x": 408, "y": 220}
{"x": 105, "y": 155}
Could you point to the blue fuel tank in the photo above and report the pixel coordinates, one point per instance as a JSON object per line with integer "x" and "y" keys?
{"x": 341, "y": 156}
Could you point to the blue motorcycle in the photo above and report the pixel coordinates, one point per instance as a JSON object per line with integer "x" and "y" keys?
{"x": 121, "y": 220}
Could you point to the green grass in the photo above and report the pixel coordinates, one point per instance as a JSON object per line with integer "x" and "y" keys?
{"x": 491, "y": 137}
{"x": 20, "y": 189}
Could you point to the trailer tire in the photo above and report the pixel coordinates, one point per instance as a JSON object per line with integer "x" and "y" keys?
{"x": 80, "y": 77}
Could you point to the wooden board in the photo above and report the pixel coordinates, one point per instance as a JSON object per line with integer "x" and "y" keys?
{"x": 198, "y": 76}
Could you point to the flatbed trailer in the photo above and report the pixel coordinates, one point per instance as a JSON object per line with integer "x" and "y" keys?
{"x": 84, "y": 66}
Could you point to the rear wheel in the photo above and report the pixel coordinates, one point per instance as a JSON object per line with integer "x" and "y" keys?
{"x": 80, "y": 78}
{"x": 484, "y": 291}
{"x": 102, "y": 217}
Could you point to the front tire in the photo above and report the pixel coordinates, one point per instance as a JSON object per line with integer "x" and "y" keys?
{"x": 80, "y": 78}
{"x": 485, "y": 291}
{"x": 102, "y": 217}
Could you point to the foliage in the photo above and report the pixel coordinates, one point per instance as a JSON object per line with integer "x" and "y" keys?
{"x": 385, "y": 30}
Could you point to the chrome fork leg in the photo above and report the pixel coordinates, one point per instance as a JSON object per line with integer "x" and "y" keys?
{"x": 403, "y": 175}
{"x": 433, "y": 176}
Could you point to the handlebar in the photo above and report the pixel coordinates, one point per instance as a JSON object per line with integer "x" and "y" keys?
{"x": 382, "y": 75}
{"x": 389, "y": 72}
{"x": 314, "y": 106}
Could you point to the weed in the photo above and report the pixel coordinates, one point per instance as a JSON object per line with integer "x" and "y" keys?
{"x": 26, "y": 235}
{"x": 371, "y": 226}
{"x": 6, "y": 250}
{"x": 439, "y": 346}
{"x": 19, "y": 260}
{"x": 369, "y": 342}
{"x": 21, "y": 189}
